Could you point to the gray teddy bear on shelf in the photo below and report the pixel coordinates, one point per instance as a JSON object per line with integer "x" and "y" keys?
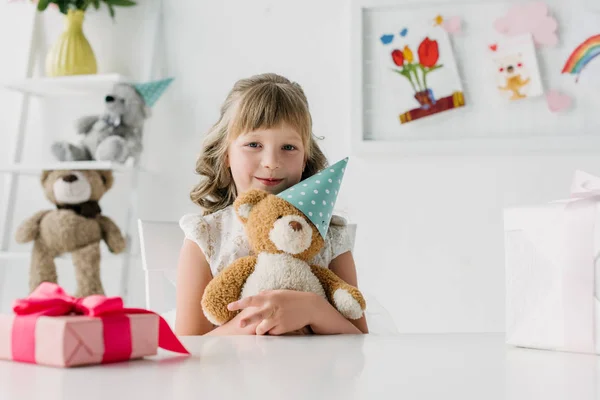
{"x": 117, "y": 134}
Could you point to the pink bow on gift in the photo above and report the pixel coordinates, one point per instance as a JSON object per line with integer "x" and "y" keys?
{"x": 49, "y": 299}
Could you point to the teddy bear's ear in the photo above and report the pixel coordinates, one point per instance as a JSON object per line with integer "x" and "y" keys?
{"x": 44, "y": 176}
{"x": 107, "y": 178}
{"x": 246, "y": 201}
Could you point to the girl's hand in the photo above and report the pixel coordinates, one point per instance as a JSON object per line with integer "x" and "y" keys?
{"x": 276, "y": 312}
{"x": 233, "y": 327}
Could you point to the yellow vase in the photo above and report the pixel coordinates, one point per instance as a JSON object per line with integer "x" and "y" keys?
{"x": 72, "y": 53}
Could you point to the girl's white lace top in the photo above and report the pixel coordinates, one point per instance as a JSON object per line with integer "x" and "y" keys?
{"x": 222, "y": 238}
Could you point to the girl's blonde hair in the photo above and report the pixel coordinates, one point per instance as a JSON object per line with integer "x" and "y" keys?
{"x": 260, "y": 102}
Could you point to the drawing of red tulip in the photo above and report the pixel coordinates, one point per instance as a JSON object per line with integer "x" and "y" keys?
{"x": 429, "y": 53}
{"x": 398, "y": 57}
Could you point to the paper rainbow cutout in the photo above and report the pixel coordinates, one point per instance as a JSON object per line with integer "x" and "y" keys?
{"x": 582, "y": 55}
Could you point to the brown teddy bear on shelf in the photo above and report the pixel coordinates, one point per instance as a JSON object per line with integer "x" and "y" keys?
{"x": 76, "y": 226}
{"x": 283, "y": 240}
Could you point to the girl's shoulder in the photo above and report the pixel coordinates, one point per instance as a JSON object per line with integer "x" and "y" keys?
{"x": 194, "y": 221}
{"x": 338, "y": 241}
{"x": 218, "y": 235}
{"x": 205, "y": 230}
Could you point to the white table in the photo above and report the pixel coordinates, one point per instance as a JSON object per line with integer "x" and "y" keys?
{"x": 456, "y": 366}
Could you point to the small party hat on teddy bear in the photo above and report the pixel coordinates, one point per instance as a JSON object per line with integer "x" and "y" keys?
{"x": 315, "y": 196}
{"x": 151, "y": 91}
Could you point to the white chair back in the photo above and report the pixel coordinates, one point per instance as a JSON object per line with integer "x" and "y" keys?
{"x": 160, "y": 244}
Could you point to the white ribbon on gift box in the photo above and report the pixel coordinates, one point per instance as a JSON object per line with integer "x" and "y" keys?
{"x": 578, "y": 281}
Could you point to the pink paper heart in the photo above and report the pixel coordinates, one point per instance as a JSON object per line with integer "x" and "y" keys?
{"x": 452, "y": 25}
{"x": 557, "y": 101}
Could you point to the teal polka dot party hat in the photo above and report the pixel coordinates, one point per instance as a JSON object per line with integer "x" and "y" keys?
{"x": 151, "y": 91}
{"x": 316, "y": 196}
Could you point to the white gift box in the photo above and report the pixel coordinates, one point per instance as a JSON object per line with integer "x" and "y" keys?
{"x": 552, "y": 288}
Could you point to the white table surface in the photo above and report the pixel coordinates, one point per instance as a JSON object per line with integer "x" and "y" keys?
{"x": 440, "y": 367}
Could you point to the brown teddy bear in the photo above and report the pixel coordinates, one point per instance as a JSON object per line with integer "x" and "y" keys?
{"x": 283, "y": 240}
{"x": 76, "y": 227}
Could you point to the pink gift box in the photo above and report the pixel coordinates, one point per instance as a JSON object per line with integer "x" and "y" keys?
{"x": 79, "y": 340}
{"x": 52, "y": 328}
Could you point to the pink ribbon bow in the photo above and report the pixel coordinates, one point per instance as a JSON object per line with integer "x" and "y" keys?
{"x": 49, "y": 299}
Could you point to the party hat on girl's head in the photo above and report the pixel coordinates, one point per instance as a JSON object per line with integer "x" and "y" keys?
{"x": 315, "y": 196}
{"x": 151, "y": 91}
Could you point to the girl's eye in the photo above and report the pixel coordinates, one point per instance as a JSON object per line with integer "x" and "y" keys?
{"x": 289, "y": 147}
{"x": 253, "y": 145}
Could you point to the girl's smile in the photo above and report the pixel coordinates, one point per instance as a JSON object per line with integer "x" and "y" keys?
{"x": 269, "y": 181}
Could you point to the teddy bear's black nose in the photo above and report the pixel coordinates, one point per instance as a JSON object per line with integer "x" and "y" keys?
{"x": 510, "y": 68}
{"x": 296, "y": 226}
{"x": 109, "y": 99}
{"x": 69, "y": 178}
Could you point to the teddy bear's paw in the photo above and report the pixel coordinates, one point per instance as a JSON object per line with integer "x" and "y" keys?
{"x": 346, "y": 304}
{"x": 91, "y": 288}
{"x": 113, "y": 148}
{"x": 213, "y": 319}
{"x": 116, "y": 244}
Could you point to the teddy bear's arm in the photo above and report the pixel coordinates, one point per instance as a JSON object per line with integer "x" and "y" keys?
{"x": 111, "y": 234}
{"x": 226, "y": 288}
{"x": 346, "y": 298}
{"x": 30, "y": 228}
{"x": 84, "y": 124}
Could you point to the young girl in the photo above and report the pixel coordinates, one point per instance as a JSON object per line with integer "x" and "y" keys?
{"x": 263, "y": 139}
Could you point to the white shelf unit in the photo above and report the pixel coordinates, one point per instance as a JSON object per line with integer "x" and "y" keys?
{"x": 12, "y": 171}
{"x": 31, "y": 86}
{"x": 24, "y": 256}
{"x": 65, "y": 86}
{"x": 34, "y": 169}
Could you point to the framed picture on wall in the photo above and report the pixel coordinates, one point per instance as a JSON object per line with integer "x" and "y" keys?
{"x": 415, "y": 74}
{"x": 439, "y": 77}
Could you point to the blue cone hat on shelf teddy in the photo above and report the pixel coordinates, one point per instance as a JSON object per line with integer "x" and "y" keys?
{"x": 117, "y": 134}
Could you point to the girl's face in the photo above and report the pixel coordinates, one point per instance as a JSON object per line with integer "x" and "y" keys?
{"x": 269, "y": 159}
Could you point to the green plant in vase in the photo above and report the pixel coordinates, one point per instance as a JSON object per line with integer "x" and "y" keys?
{"x": 72, "y": 53}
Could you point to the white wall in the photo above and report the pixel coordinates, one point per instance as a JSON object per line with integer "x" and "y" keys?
{"x": 430, "y": 241}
